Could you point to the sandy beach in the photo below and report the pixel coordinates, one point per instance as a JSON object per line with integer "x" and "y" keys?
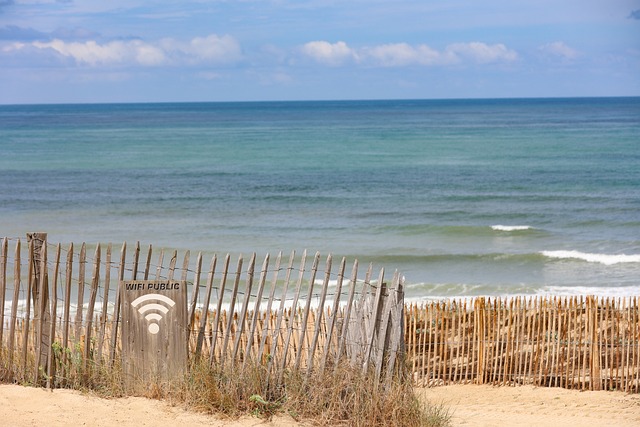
{"x": 471, "y": 405}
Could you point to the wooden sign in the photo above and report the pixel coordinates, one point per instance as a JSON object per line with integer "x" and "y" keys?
{"x": 154, "y": 330}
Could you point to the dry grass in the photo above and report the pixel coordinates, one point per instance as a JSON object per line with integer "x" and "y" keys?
{"x": 343, "y": 396}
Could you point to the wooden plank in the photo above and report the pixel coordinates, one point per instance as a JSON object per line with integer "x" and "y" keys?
{"x": 232, "y": 309}
{"x": 537, "y": 371}
{"x": 256, "y": 311}
{"x": 519, "y": 332}
{"x": 397, "y": 328}
{"x": 245, "y": 304}
{"x": 216, "y": 320}
{"x": 27, "y": 315}
{"x": 67, "y": 305}
{"x": 595, "y": 351}
{"x": 334, "y": 314}
{"x": 347, "y": 315}
{"x": 281, "y": 311}
{"x": 479, "y": 339}
{"x": 80, "y": 304}
{"x": 454, "y": 348}
{"x": 436, "y": 343}
{"x": 105, "y": 302}
{"x": 316, "y": 334}
{"x": 154, "y": 335}
{"x": 147, "y": 263}
{"x": 40, "y": 294}
{"x": 611, "y": 341}
{"x": 54, "y": 308}
{"x": 509, "y": 355}
{"x": 374, "y": 318}
{"x": 627, "y": 340}
{"x": 526, "y": 371}
{"x": 194, "y": 294}
{"x": 40, "y": 318}
{"x": 267, "y": 322}
{"x": 432, "y": 357}
{"x": 421, "y": 351}
{"x": 551, "y": 338}
{"x": 3, "y": 284}
{"x": 636, "y": 344}
{"x": 116, "y": 308}
{"x": 584, "y": 339}
{"x": 572, "y": 338}
{"x": 305, "y": 317}
{"x": 358, "y": 331}
{"x": 14, "y": 303}
{"x": 95, "y": 281}
{"x": 205, "y": 304}
{"x": 466, "y": 349}
{"x": 172, "y": 265}
{"x": 159, "y": 264}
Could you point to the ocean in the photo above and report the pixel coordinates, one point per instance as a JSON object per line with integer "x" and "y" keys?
{"x": 463, "y": 197}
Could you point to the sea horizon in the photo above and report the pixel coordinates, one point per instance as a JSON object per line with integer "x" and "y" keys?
{"x": 330, "y": 100}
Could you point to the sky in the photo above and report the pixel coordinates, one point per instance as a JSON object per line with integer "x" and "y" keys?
{"x": 82, "y": 51}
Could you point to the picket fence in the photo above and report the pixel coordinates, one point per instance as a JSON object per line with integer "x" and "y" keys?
{"x": 583, "y": 343}
{"x": 62, "y": 325}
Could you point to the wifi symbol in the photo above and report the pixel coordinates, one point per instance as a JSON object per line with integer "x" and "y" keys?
{"x": 157, "y": 310}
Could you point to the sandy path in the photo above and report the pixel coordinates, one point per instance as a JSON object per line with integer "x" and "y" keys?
{"x": 27, "y": 406}
{"x": 471, "y": 406}
{"x": 530, "y": 406}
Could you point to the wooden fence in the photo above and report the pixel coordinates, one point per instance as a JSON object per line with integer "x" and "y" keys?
{"x": 290, "y": 313}
{"x": 60, "y": 311}
{"x": 584, "y": 343}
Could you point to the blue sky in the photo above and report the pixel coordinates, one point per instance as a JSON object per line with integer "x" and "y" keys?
{"x": 60, "y": 51}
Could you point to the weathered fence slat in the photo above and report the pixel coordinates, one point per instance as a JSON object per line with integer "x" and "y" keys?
{"x": 195, "y": 292}
{"x": 305, "y": 316}
{"x": 272, "y": 293}
{"x": 245, "y": 304}
{"x": 14, "y": 305}
{"x": 232, "y": 309}
{"x": 39, "y": 304}
{"x": 54, "y": 308}
{"x": 3, "y": 283}
{"x": 334, "y": 315}
{"x": 105, "y": 302}
{"x": 205, "y": 306}
{"x": 95, "y": 281}
{"x": 346, "y": 322}
{"x": 320, "y": 312}
{"x": 217, "y": 320}
{"x": 256, "y": 311}
{"x": 116, "y": 308}
{"x": 277, "y": 330}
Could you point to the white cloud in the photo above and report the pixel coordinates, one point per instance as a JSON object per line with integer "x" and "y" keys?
{"x": 403, "y": 54}
{"x": 482, "y": 53}
{"x": 210, "y": 49}
{"x": 115, "y": 52}
{"x": 213, "y": 48}
{"x": 327, "y": 53}
{"x": 559, "y": 49}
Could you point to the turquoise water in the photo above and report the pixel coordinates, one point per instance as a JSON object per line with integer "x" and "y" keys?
{"x": 464, "y": 197}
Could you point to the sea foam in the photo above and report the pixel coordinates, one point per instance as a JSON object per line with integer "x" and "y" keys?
{"x": 606, "y": 259}
{"x": 499, "y": 227}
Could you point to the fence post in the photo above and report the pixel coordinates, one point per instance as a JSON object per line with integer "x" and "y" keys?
{"x": 40, "y": 296}
{"x": 480, "y": 338}
{"x": 592, "y": 305}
